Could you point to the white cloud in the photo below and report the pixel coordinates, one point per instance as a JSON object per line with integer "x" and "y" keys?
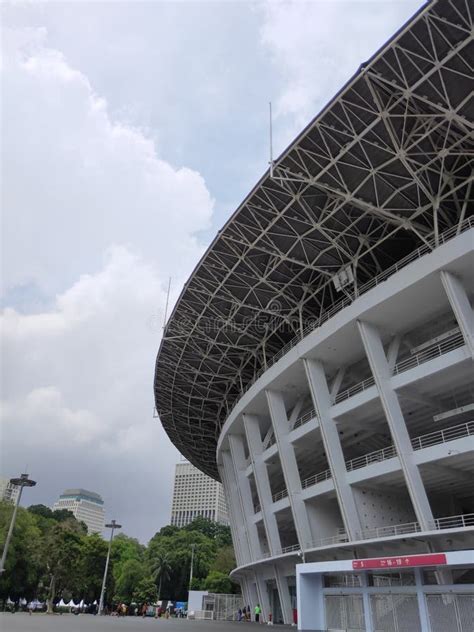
{"x": 98, "y": 221}
{"x": 318, "y": 46}
{"x": 76, "y": 182}
{"x": 78, "y": 394}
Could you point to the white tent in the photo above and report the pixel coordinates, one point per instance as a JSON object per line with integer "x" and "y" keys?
{"x": 23, "y": 602}
{"x": 9, "y": 601}
{"x": 71, "y": 604}
{"x": 62, "y": 604}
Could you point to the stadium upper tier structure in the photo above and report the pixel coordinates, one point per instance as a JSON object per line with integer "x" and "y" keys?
{"x": 319, "y": 360}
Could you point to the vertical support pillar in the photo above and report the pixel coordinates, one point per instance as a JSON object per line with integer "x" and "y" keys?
{"x": 254, "y": 442}
{"x": 332, "y": 444}
{"x": 461, "y": 307}
{"x": 310, "y": 600}
{"x": 245, "y": 589}
{"x": 253, "y": 593}
{"x": 398, "y": 429}
{"x": 289, "y": 465}
{"x": 245, "y": 495}
{"x": 263, "y": 599}
{"x": 239, "y": 536}
{"x": 369, "y": 626}
{"x": 284, "y": 594}
{"x": 423, "y": 611}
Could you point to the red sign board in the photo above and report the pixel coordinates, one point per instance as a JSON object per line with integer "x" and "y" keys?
{"x": 433, "y": 559}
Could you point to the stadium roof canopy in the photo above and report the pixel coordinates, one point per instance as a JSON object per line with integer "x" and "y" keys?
{"x": 385, "y": 168}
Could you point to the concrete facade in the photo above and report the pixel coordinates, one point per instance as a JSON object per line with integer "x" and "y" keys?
{"x": 359, "y": 442}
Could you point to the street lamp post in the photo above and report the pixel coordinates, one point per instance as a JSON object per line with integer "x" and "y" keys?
{"x": 193, "y": 546}
{"x": 21, "y": 482}
{"x": 113, "y": 525}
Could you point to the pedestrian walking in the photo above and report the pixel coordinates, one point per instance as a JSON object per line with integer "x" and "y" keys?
{"x": 258, "y": 612}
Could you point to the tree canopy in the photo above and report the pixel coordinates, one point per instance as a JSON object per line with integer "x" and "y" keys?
{"x": 51, "y": 556}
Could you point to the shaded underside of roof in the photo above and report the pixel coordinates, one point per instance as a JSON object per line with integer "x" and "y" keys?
{"x": 384, "y": 169}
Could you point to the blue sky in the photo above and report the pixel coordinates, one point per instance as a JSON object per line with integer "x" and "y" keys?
{"x": 131, "y": 131}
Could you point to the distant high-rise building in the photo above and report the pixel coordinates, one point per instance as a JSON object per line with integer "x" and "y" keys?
{"x": 85, "y": 505}
{"x": 8, "y": 491}
{"x": 196, "y": 494}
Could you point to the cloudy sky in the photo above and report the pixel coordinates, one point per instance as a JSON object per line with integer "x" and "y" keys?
{"x": 130, "y": 132}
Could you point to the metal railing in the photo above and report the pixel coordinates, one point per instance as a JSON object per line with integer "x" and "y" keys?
{"x": 341, "y": 537}
{"x": 303, "y": 419}
{"x": 291, "y": 548}
{"x": 455, "y": 522}
{"x": 443, "y": 436}
{"x": 426, "y": 248}
{"x": 353, "y": 390}
{"x": 449, "y": 522}
{"x": 283, "y": 493}
{"x": 316, "y": 478}
{"x": 418, "y": 443}
{"x": 390, "y": 530}
{"x": 371, "y": 457}
{"x": 451, "y": 343}
{"x": 462, "y": 521}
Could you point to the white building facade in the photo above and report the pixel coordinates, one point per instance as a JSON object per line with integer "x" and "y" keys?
{"x": 319, "y": 361}
{"x": 85, "y": 505}
{"x": 8, "y": 491}
{"x": 196, "y": 494}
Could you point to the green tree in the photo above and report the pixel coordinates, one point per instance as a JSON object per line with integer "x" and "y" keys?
{"x": 131, "y": 575}
{"x": 178, "y": 549}
{"x": 217, "y": 582}
{"x": 124, "y": 549}
{"x": 169, "y": 529}
{"x": 145, "y": 591}
{"x": 223, "y": 535}
{"x": 42, "y": 510}
{"x": 90, "y": 569}
{"x": 24, "y": 566}
{"x": 203, "y": 525}
{"x": 62, "y": 554}
{"x": 224, "y": 561}
{"x": 160, "y": 566}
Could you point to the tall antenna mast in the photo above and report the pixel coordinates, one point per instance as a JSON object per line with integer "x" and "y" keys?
{"x": 271, "y": 140}
{"x": 167, "y": 301}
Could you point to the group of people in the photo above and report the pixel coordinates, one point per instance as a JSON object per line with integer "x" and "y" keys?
{"x": 122, "y": 610}
{"x": 246, "y": 613}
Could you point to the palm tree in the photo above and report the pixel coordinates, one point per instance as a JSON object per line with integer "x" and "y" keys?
{"x": 161, "y": 568}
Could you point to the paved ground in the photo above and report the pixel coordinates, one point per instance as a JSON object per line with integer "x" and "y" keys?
{"x": 84, "y": 623}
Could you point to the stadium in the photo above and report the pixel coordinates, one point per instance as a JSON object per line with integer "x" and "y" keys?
{"x": 319, "y": 360}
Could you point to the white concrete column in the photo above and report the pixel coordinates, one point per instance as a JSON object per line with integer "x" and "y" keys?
{"x": 284, "y": 595}
{"x": 237, "y": 529}
{"x": 332, "y": 445}
{"x": 423, "y": 610}
{"x": 369, "y": 626}
{"x": 398, "y": 429}
{"x": 255, "y": 446}
{"x": 263, "y": 598}
{"x": 461, "y": 307}
{"x": 245, "y": 589}
{"x": 237, "y": 461}
{"x": 310, "y": 600}
{"x": 289, "y": 465}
